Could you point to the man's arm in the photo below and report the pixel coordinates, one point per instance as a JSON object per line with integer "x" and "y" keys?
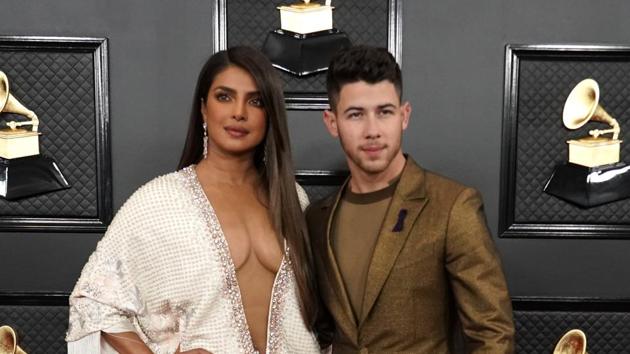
{"x": 476, "y": 278}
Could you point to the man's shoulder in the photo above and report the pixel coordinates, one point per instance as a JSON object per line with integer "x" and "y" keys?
{"x": 438, "y": 187}
{"x": 438, "y": 182}
{"x": 318, "y": 208}
{"x": 317, "y": 215}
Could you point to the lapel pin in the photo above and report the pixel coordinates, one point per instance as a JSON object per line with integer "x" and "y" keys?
{"x": 402, "y": 214}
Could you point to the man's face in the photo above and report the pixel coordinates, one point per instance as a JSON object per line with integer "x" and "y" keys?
{"x": 369, "y": 120}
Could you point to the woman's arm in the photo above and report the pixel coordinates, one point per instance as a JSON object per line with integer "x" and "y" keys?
{"x": 126, "y": 343}
{"x": 130, "y": 343}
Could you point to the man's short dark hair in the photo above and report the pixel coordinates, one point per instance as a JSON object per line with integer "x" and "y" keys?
{"x": 361, "y": 63}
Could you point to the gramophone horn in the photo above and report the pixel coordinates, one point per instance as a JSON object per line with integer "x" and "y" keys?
{"x": 572, "y": 342}
{"x": 8, "y": 341}
{"x": 10, "y": 104}
{"x": 582, "y": 105}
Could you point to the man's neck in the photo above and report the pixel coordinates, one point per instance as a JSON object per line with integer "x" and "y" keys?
{"x": 365, "y": 182}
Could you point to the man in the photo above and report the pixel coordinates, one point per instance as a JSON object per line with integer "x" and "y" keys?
{"x": 402, "y": 254}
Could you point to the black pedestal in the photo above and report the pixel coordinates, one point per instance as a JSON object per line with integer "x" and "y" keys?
{"x": 590, "y": 186}
{"x": 303, "y": 54}
{"x": 28, "y": 176}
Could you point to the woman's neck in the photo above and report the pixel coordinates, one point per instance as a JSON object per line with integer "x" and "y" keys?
{"x": 233, "y": 170}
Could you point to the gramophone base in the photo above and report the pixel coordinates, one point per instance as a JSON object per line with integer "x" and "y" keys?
{"x": 590, "y": 186}
{"x": 593, "y": 152}
{"x": 28, "y": 176}
{"x": 303, "y": 54}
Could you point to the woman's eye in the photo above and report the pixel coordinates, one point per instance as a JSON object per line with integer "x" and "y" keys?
{"x": 222, "y": 97}
{"x": 257, "y": 102}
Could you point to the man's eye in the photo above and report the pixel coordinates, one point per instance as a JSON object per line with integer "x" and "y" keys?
{"x": 354, "y": 114}
{"x": 387, "y": 112}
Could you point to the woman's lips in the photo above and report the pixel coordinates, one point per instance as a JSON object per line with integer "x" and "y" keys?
{"x": 236, "y": 132}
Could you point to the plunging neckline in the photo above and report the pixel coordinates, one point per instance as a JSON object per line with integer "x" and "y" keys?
{"x": 231, "y": 287}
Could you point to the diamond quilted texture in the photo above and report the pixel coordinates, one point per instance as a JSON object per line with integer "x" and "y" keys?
{"x": 541, "y": 137}
{"x": 40, "y": 329}
{"x": 59, "y": 87}
{"x": 538, "y": 331}
{"x": 316, "y": 193}
{"x": 248, "y": 23}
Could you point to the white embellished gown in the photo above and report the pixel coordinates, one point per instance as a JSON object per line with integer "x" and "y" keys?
{"x": 163, "y": 270}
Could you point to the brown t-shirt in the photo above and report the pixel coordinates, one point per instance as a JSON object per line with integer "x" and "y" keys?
{"x": 355, "y": 229}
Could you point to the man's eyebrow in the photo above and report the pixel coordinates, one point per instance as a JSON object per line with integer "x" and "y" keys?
{"x": 386, "y": 105}
{"x": 353, "y": 108}
{"x": 379, "y": 107}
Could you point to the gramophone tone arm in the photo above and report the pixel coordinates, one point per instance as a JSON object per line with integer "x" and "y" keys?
{"x": 597, "y": 132}
{"x": 34, "y": 121}
{"x": 615, "y": 129}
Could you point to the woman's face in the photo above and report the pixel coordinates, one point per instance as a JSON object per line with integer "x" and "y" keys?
{"x": 234, "y": 113}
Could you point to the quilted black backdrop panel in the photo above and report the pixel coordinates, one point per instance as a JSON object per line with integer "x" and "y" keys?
{"x": 538, "y": 331}
{"x": 40, "y": 329}
{"x": 364, "y": 21}
{"x": 543, "y": 86}
{"x": 64, "y": 81}
{"x": 58, "y": 87}
{"x": 316, "y": 193}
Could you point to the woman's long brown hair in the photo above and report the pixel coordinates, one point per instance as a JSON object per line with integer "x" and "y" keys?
{"x": 272, "y": 159}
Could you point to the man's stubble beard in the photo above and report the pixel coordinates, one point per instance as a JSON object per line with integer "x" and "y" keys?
{"x": 364, "y": 164}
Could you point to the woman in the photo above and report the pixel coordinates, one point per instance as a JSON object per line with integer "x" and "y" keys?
{"x": 215, "y": 257}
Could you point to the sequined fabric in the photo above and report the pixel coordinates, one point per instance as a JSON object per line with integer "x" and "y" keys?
{"x": 164, "y": 265}
{"x": 283, "y": 279}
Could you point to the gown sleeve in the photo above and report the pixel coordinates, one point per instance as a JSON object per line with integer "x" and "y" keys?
{"x": 105, "y": 298}
{"x": 302, "y": 196}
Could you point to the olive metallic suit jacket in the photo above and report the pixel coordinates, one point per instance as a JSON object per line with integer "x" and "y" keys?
{"x": 434, "y": 265}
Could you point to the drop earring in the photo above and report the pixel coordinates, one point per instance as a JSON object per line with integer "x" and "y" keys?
{"x": 205, "y": 140}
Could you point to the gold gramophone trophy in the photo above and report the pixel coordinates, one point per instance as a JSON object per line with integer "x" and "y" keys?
{"x": 8, "y": 341}
{"x": 306, "y": 39}
{"x": 572, "y": 342}
{"x": 594, "y": 175}
{"x": 23, "y": 171}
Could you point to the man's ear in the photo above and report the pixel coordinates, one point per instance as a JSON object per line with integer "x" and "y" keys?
{"x": 330, "y": 120}
{"x": 405, "y": 109}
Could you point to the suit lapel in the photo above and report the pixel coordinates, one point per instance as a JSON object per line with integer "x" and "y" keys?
{"x": 339, "y": 303}
{"x": 408, "y": 201}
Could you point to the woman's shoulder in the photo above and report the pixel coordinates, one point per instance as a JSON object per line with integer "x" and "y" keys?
{"x": 302, "y": 196}
{"x": 162, "y": 191}
{"x": 168, "y": 184}
{"x": 162, "y": 199}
